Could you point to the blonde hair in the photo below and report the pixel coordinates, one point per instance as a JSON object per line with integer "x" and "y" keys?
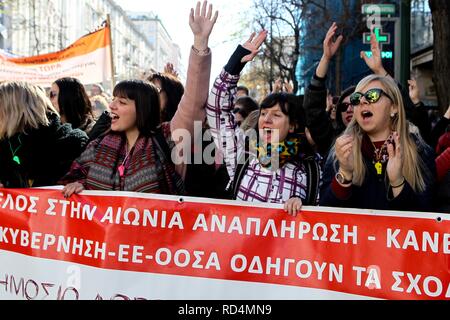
{"x": 413, "y": 168}
{"x": 22, "y": 107}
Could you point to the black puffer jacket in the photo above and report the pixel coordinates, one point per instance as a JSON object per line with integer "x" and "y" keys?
{"x": 45, "y": 154}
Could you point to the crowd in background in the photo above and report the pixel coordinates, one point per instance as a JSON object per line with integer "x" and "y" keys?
{"x": 373, "y": 146}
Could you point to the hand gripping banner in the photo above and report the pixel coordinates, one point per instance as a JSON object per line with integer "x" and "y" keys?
{"x": 121, "y": 245}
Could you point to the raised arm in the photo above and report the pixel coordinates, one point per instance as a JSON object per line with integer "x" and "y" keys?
{"x": 225, "y": 132}
{"x": 191, "y": 107}
{"x": 315, "y": 101}
{"x": 192, "y": 104}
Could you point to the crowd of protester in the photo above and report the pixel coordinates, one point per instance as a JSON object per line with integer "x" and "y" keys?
{"x": 373, "y": 146}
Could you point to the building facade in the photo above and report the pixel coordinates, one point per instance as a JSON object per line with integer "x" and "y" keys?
{"x": 156, "y": 34}
{"x": 422, "y": 50}
{"x": 39, "y": 26}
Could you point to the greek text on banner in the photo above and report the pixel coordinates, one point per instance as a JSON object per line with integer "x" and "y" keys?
{"x": 103, "y": 245}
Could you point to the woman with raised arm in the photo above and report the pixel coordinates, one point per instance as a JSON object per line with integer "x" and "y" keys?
{"x": 315, "y": 100}
{"x": 280, "y": 166}
{"x": 137, "y": 154}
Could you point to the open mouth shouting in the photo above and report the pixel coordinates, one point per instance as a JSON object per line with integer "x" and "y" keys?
{"x": 114, "y": 117}
{"x": 366, "y": 115}
{"x": 267, "y": 133}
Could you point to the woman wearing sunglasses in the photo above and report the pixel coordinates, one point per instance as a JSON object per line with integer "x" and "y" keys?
{"x": 316, "y": 94}
{"x": 376, "y": 163}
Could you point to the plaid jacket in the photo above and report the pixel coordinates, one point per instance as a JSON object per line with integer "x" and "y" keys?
{"x": 258, "y": 184}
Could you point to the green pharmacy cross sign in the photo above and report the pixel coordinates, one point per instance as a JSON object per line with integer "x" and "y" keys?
{"x": 382, "y": 38}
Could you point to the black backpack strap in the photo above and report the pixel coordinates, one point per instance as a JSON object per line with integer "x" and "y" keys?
{"x": 238, "y": 175}
{"x": 312, "y": 178}
{"x": 162, "y": 143}
{"x": 241, "y": 168}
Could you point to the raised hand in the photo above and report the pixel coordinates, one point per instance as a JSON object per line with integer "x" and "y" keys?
{"x": 329, "y": 46}
{"x": 278, "y": 86}
{"x": 288, "y": 87}
{"x": 169, "y": 69}
{"x": 374, "y": 63}
{"x": 202, "y": 22}
{"x": 329, "y": 50}
{"x": 253, "y": 44}
{"x": 414, "y": 93}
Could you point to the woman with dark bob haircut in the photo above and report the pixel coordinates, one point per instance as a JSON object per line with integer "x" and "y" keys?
{"x": 136, "y": 153}
{"x": 276, "y": 164}
{"x": 69, "y": 97}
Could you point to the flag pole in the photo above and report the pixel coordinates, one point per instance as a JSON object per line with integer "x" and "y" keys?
{"x": 108, "y": 23}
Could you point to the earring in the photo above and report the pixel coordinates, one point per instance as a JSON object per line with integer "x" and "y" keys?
{"x": 393, "y": 115}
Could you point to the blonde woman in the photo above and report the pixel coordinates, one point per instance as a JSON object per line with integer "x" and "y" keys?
{"x": 377, "y": 163}
{"x": 35, "y": 148}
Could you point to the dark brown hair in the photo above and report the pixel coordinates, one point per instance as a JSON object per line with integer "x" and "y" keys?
{"x": 146, "y": 98}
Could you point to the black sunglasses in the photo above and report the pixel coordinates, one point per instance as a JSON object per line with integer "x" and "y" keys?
{"x": 372, "y": 96}
{"x": 343, "y": 106}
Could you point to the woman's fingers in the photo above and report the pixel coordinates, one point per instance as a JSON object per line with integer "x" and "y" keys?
{"x": 398, "y": 146}
{"x": 391, "y": 152}
{"x": 72, "y": 188}
{"x": 79, "y": 188}
{"x": 346, "y": 147}
{"x": 260, "y": 38}
{"x": 203, "y": 11}
{"x": 209, "y": 14}
{"x": 293, "y": 206}
{"x": 216, "y": 15}
{"x": 197, "y": 9}
{"x": 252, "y": 36}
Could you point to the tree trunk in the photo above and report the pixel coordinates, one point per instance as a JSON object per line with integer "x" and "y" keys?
{"x": 440, "y": 10}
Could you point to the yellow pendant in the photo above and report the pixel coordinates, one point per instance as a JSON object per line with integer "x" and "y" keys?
{"x": 379, "y": 167}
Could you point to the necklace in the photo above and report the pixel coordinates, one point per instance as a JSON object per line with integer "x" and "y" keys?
{"x": 122, "y": 166}
{"x": 380, "y": 156}
{"x": 15, "y": 158}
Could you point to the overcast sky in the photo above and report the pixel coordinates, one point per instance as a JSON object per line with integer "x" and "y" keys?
{"x": 175, "y": 17}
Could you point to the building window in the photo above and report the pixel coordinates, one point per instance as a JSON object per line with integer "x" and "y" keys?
{"x": 421, "y": 25}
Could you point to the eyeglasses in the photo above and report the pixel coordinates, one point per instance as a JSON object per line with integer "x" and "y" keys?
{"x": 53, "y": 94}
{"x": 372, "y": 96}
{"x": 343, "y": 106}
